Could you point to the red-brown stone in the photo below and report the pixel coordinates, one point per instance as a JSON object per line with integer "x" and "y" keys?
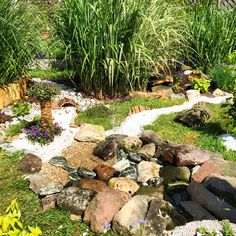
{"x": 69, "y": 102}
{"x": 92, "y": 184}
{"x": 205, "y": 170}
{"x": 49, "y": 202}
{"x": 103, "y": 208}
{"x": 105, "y": 172}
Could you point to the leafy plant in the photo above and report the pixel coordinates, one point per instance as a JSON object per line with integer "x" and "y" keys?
{"x": 224, "y": 78}
{"x": 212, "y": 34}
{"x": 226, "y": 228}
{"x": 231, "y": 58}
{"x": 11, "y": 225}
{"x": 43, "y": 91}
{"x": 19, "y": 39}
{"x": 99, "y": 111}
{"x": 21, "y": 108}
{"x": 115, "y": 45}
{"x": 201, "y": 85}
{"x": 38, "y": 134}
{"x": 204, "y": 232}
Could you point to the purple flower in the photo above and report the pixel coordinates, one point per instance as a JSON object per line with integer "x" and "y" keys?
{"x": 107, "y": 226}
{"x": 46, "y": 133}
{"x": 143, "y": 221}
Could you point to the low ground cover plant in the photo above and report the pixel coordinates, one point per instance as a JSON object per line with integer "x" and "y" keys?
{"x": 21, "y": 108}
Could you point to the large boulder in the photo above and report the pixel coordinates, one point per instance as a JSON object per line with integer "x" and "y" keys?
{"x": 173, "y": 174}
{"x": 194, "y": 117}
{"x": 74, "y": 200}
{"x": 196, "y": 211}
{"x": 147, "y": 170}
{"x": 124, "y": 184}
{"x": 103, "y": 208}
{"x": 211, "y": 202}
{"x": 106, "y": 149}
{"x": 30, "y": 164}
{"x": 90, "y": 133}
{"x": 186, "y": 155}
{"x": 147, "y": 151}
{"x": 131, "y": 143}
{"x": 128, "y": 221}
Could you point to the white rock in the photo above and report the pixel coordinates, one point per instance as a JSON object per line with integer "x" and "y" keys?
{"x": 192, "y": 94}
{"x": 121, "y": 165}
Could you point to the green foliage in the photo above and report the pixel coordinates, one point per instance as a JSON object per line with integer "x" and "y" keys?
{"x": 231, "y": 58}
{"x": 18, "y": 39}
{"x": 224, "y": 78}
{"x": 201, "y": 84}
{"x": 11, "y": 225}
{"x": 21, "y": 108}
{"x": 226, "y": 228}
{"x": 43, "y": 91}
{"x": 212, "y": 34}
{"x": 204, "y": 232}
{"x": 99, "y": 111}
{"x": 38, "y": 134}
{"x": 230, "y": 117}
{"x": 115, "y": 45}
{"x": 13, "y": 130}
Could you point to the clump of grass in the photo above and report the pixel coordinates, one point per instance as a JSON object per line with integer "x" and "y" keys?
{"x": 15, "y": 129}
{"x": 19, "y": 39}
{"x": 115, "y": 45}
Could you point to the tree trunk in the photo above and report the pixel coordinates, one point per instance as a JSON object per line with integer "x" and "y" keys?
{"x": 46, "y": 113}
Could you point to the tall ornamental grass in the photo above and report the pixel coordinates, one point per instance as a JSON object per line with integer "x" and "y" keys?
{"x": 212, "y": 34}
{"x": 115, "y": 45}
{"x": 18, "y": 39}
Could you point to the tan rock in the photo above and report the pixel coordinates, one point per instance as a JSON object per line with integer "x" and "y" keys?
{"x": 147, "y": 151}
{"x": 147, "y": 170}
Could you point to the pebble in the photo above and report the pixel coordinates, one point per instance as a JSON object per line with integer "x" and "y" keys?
{"x": 121, "y": 165}
{"x": 86, "y": 173}
{"x": 129, "y": 172}
{"x": 134, "y": 157}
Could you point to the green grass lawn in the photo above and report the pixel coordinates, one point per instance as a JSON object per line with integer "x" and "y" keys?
{"x": 118, "y": 111}
{"x": 14, "y": 185}
{"x": 205, "y": 137}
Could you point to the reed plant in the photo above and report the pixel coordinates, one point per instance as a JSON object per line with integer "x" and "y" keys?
{"x": 19, "y": 36}
{"x": 212, "y": 34}
{"x": 115, "y": 45}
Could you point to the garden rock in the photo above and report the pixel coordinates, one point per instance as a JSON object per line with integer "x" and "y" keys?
{"x": 147, "y": 170}
{"x": 212, "y": 203}
{"x": 106, "y": 149}
{"x": 185, "y": 155}
{"x": 121, "y": 155}
{"x": 49, "y": 202}
{"x": 194, "y": 117}
{"x": 221, "y": 183}
{"x": 121, "y": 165}
{"x": 30, "y": 164}
{"x": 103, "y": 208}
{"x": 204, "y": 171}
{"x": 147, "y": 151}
{"x": 129, "y": 220}
{"x": 58, "y": 161}
{"x": 74, "y": 200}
{"x": 42, "y": 185}
{"x": 130, "y": 144}
{"x": 90, "y": 133}
{"x": 116, "y": 137}
{"x": 124, "y": 184}
{"x": 164, "y": 91}
{"x": 218, "y": 92}
{"x": 148, "y": 136}
{"x": 105, "y": 172}
{"x": 192, "y": 94}
{"x": 129, "y": 172}
{"x": 155, "y": 181}
{"x": 173, "y": 174}
{"x": 134, "y": 157}
{"x": 196, "y": 211}
{"x": 86, "y": 173}
{"x": 92, "y": 184}
{"x": 151, "y": 191}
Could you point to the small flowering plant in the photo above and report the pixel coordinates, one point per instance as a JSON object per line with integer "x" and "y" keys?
{"x": 38, "y": 134}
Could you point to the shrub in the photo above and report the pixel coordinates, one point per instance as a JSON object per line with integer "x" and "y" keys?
{"x": 43, "y": 91}
{"x": 21, "y": 108}
{"x": 212, "y": 34}
{"x": 99, "y": 111}
{"x": 18, "y": 39}
{"x": 10, "y": 223}
{"x": 38, "y": 134}
{"x": 224, "y": 77}
{"x": 115, "y": 45}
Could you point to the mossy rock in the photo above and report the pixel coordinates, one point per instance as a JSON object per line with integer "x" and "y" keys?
{"x": 172, "y": 174}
